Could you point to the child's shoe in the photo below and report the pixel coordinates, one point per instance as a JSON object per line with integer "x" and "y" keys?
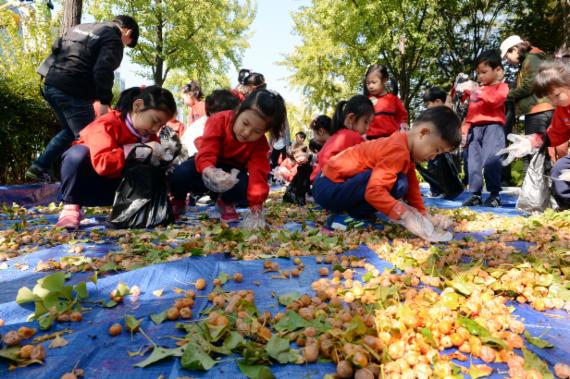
{"x": 227, "y": 211}
{"x": 473, "y": 201}
{"x": 178, "y": 208}
{"x": 493, "y": 201}
{"x": 70, "y": 217}
{"x": 37, "y": 174}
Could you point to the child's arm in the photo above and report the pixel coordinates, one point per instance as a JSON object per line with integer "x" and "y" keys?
{"x": 209, "y": 144}
{"x": 414, "y": 196}
{"x": 493, "y": 95}
{"x": 258, "y": 169}
{"x": 401, "y": 115}
{"x": 107, "y": 157}
{"x": 382, "y": 180}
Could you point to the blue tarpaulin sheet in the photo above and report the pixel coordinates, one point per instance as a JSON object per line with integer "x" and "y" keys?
{"x": 92, "y": 349}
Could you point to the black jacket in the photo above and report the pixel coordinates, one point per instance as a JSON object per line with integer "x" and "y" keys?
{"x": 83, "y": 61}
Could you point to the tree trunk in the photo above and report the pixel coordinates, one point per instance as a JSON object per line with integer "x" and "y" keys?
{"x": 565, "y": 4}
{"x": 71, "y": 14}
{"x": 158, "y": 59}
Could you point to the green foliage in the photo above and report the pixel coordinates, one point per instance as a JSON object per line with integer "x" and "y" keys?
{"x": 200, "y": 38}
{"x": 26, "y": 121}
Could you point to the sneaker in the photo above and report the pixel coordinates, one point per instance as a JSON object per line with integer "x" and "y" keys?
{"x": 70, "y": 217}
{"x": 493, "y": 201}
{"x": 227, "y": 211}
{"x": 37, "y": 174}
{"x": 473, "y": 201}
{"x": 178, "y": 208}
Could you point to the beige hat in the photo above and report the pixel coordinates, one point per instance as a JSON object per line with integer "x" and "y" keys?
{"x": 509, "y": 43}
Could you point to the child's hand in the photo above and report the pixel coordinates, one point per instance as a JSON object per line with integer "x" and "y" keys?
{"x": 157, "y": 152}
{"x": 254, "y": 218}
{"x": 520, "y": 147}
{"x": 422, "y": 226}
{"x": 404, "y": 127}
{"x": 440, "y": 221}
{"x": 217, "y": 180}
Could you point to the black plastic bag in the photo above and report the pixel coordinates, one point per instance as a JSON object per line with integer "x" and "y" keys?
{"x": 141, "y": 200}
{"x": 536, "y": 193}
{"x": 297, "y": 190}
{"x": 443, "y": 176}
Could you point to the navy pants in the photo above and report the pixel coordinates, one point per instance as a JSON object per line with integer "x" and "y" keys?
{"x": 561, "y": 188}
{"x": 484, "y": 143}
{"x": 186, "y": 179}
{"x": 80, "y": 184}
{"x": 348, "y": 196}
{"x": 73, "y": 114}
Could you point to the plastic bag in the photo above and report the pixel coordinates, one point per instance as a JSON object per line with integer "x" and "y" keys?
{"x": 297, "y": 190}
{"x": 443, "y": 177}
{"x": 170, "y": 144}
{"x": 141, "y": 200}
{"x": 536, "y": 193}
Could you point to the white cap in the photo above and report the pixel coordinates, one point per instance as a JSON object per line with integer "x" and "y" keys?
{"x": 509, "y": 43}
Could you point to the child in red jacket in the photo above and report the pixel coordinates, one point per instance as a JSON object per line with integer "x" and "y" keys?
{"x": 233, "y": 142}
{"x": 91, "y": 169}
{"x": 389, "y": 112}
{"x": 349, "y": 125}
{"x": 380, "y": 175}
{"x": 486, "y": 136}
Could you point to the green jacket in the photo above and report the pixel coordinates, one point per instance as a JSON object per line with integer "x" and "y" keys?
{"x": 523, "y": 95}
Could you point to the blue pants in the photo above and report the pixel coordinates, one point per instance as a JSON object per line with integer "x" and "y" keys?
{"x": 561, "y": 188}
{"x": 73, "y": 114}
{"x": 80, "y": 184}
{"x": 186, "y": 178}
{"x": 484, "y": 143}
{"x": 348, "y": 196}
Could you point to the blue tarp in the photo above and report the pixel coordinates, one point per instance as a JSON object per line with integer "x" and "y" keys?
{"x": 102, "y": 356}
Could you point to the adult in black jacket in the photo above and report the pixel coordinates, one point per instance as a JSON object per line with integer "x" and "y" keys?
{"x": 80, "y": 71}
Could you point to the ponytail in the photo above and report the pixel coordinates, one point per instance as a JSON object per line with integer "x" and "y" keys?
{"x": 360, "y": 105}
{"x": 153, "y": 97}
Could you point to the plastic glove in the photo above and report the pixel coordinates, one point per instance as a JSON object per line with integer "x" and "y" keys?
{"x": 157, "y": 152}
{"x": 440, "y": 221}
{"x": 565, "y": 175}
{"x": 404, "y": 127}
{"x": 469, "y": 85}
{"x": 254, "y": 218}
{"x": 521, "y": 146}
{"x": 219, "y": 181}
{"x": 279, "y": 174}
{"x": 421, "y": 226}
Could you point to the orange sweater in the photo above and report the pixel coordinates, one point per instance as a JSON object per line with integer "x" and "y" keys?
{"x": 386, "y": 157}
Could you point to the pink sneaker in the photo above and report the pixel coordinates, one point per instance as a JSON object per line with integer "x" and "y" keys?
{"x": 70, "y": 217}
{"x": 178, "y": 208}
{"x": 227, "y": 211}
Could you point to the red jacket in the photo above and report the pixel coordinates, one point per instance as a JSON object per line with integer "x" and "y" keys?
{"x": 291, "y": 166}
{"x": 559, "y": 130}
{"x": 196, "y": 111}
{"x": 338, "y": 142}
{"x": 386, "y": 157}
{"x": 177, "y": 126}
{"x": 105, "y": 138}
{"x": 389, "y": 113}
{"x": 487, "y": 106}
{"x": 218, "y": 146}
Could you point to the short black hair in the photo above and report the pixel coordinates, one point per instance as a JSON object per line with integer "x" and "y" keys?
{"x": 301, "y": 134}
{"x": 270, "y": 106}
{"x": 220, "y": 100}
{"x": 314, "y": 146}
{"x": 445, "y": 122}
{"x": 491, "y": 58}
{"x": 433, "y": 94}
{"x": 127, "y": 22}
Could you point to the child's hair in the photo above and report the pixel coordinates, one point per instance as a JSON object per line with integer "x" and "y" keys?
{"x": 524, "y": 47}
{"x": 220, "y": 100}
{"x": 297, "y": 149}
{"x": 153, "y": 97}
{"x": 127, "y": 22}
{"x": 270, "y": 106}
{"x": 446, "y": 123}
{"x": 301, "y": 134}
{"x": 433, "y": 94}
{"x": 383, "y": 73}
{"x": 255, "y": 79}
{"x": 491, "y": 58}
{"x": 553, "y": 74}
{"x": 314, "y": 146}
{"x": 360, "y": 105}
{"x": 243, "y": 73}
{"x": 322, "y": 122}
{"x": 194, "y": 89}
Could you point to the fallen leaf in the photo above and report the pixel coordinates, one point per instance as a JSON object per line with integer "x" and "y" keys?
{"x": 158, "y": 293}
{"x": 59, "y": 341}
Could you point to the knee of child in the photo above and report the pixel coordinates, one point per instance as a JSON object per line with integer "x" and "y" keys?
{"x": 76, "y": 154}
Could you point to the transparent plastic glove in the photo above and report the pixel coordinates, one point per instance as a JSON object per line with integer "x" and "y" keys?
{"x": 217, "y": 180}
{"x": 279, "y": 174}
{"x": 565, "y": 175}
{"x": 404, "y": 127}
{"x": 254, "y": 218}
{"x": 157, "y": 152}
{"x": 469, "y": 85}
{"x": 521, "y": 146}
{"x": 440, "y": 221}
{"x": 422, "y": 226}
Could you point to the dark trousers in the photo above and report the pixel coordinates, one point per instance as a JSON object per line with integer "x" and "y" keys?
{"x": 434, "y": 191}
{"x": 561, "y": 188}
{"x": 186, "y": 179}
{"x": 535, "y": 123}
{"x": 73, "y": 114}
{"x": 300, "y": 185}
{"x": 80, "y": 184}
{"x": 484, "y": 143}
{"x": 348, "y": 196}
{"x": 275, "y": 154}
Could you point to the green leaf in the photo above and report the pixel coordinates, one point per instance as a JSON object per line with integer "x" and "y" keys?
{"x": 158, "y": 318}
{"x": 11, "y": 354}
{"x": 195, "y": 358}
{"x": 480, "y": 371}
{"x": 123, "y": 289}
{"x": 355, "y": 329}
{"x": 463, "y": 286}
{"x": 477, "y": 330}
{"x": 426, "y": 332}
{"x": 255, "y": 371}
{"x": 25, "y": 295}
{"x": 539, "y": 342}
{"x": 223, "y": 277}
{"x": 451, "y": 300}
{"x": 233, "y": 340}
{"x": 46, "y": 321}
{"x": 158, "y": 354}
{"x": 215, "y": 332}
{"x": 54, "y": 282}
{"x": 109, "y": 266}
{"x": 132, "y": 323}
{"x": 110, "y": 304}
{"x": 531, "y": 361}
{"x": 290, "y": 322}
{"x": 278, "y": 348}
{"x": 81, "y": 289}
{"x": 367, "y": 277}
{"x": 94, "y": 278}
{"x": 288, "y": 298}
